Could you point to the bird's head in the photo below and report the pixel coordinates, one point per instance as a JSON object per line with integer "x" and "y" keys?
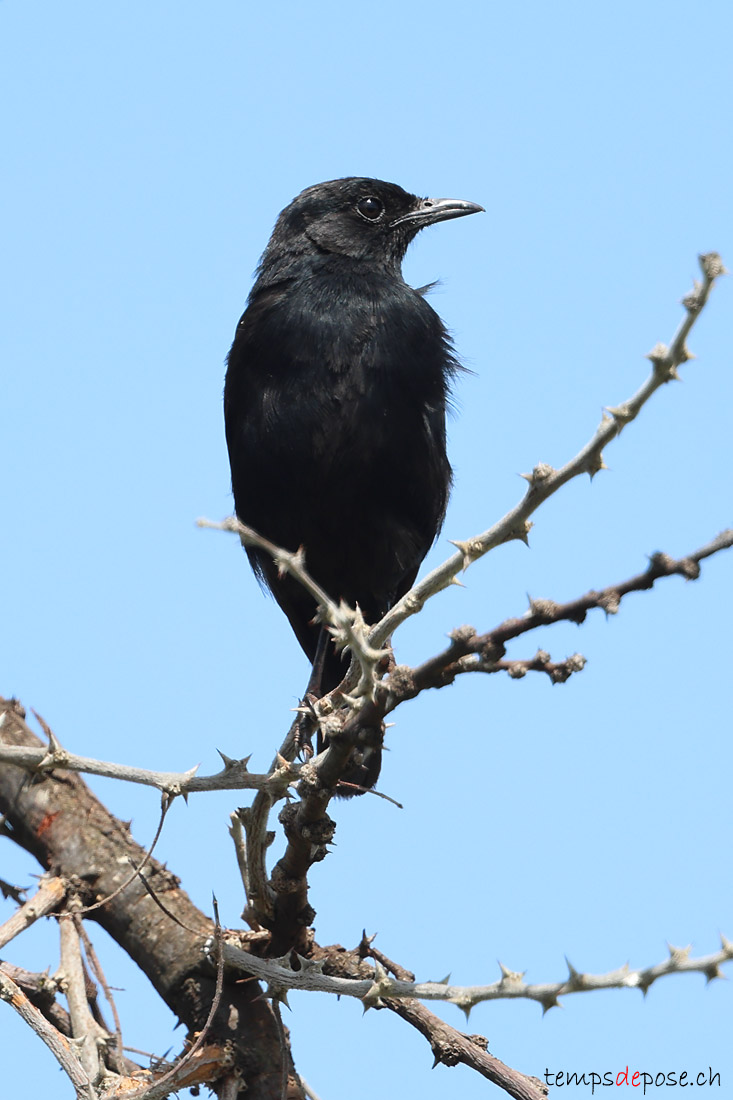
{"x": 364, "y": 219}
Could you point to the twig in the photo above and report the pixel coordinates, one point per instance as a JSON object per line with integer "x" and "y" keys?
{"x": 544, "y": 480}
{"x": 163, "y": 1086}
{"x": 57, "y": 1043}
{"x": 346, "y": 624}
{"x": 166, "y": 803}
{"x": 41, "y": 991}
{"x": 313, "y": 976}
{"x": 50, "y": 894}
{"x": 98, "y": 972}
{"x": 164, "y": 908}
{"x": 559, "y": 672}
{"x": 233, "y": 777}
{"x": 240, "y": 849}
{"x": 472, "y": 652}
{"x": 83, "y": 1024}
{"x": 17, "y": 893}
{"x": 451, "y": 1047}
{"x": 309, "y": 1092}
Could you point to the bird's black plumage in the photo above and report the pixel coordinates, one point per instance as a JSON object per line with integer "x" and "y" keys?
{"x": 335, "y": 401}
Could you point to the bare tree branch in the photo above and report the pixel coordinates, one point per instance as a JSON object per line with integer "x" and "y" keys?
{"x": 451, "y": 1048}
{"x": 58, "y": 1044}
{"x": 83, "y": 1025}
{"x": 60, "y": 822}
{"x": 315, "y": 975}
{"x": 51, "y": 892}
{"x": 544, "y": 480}
{"x": 472, "y": 652}
{"x": 236, "y": 1038}
{"x": 234, "y": 775}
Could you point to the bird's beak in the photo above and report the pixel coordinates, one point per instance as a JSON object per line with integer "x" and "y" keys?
{"x": 429, "y": 211}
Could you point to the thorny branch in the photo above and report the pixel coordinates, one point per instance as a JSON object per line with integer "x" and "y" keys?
{"x": 472, "y": 652}
{"x": 544, "y": 480}
{"x": 361, "y": 701}
{"x": 59, "y": 821}
{"x": 308, "y": 829}
{"x": 234, "y": 775}
{"x": 316, "y": 975}
{"x": 84, "y": 1027}
{"x": 345, "y": 624}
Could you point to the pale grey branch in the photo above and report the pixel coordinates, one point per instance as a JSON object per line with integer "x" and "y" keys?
{"x": 280, "y": 976}
{"x": 85, "y": 1028}
{"x": 544, "y": 480}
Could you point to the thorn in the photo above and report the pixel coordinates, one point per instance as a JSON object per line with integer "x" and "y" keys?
{"x": 692, "y": 301}
{"x": 313, "y": 965}
{"x": 543, "y": 609}
{"x": 712, "y": 265}
{"x": 277, "y": 993}
{"x": 574, "y": 976}
{"x": 679, "y": 954}
{"x": 510, "y": 976}
{"x": 658, "y": 355}
{"x": 540, "y": 473}
{"x": 622, "y": 414}
{"x": 661, "y": 359}
{"x": 468, "y": 549}
{"x": 595, "y": 465}
{"x": 610, "y": 603}
{"x": 576, "y": 662}
{"x": 518, "y": 533}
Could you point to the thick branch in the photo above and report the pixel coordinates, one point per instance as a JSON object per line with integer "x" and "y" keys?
{"x": 66, "y": 828}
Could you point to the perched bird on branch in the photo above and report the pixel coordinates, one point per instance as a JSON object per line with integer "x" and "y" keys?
{"x": 335, "y": 403}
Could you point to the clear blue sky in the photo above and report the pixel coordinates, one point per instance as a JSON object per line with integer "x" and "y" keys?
{"x": 147, "y": 149}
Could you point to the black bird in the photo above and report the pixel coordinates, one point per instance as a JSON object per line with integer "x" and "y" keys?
{"x": 335, "y": 403}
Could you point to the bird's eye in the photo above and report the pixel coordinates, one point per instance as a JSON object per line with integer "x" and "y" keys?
{"x": 370, "y": 208}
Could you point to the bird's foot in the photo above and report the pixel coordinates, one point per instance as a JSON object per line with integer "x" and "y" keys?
{"x": 307, "y": 725}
